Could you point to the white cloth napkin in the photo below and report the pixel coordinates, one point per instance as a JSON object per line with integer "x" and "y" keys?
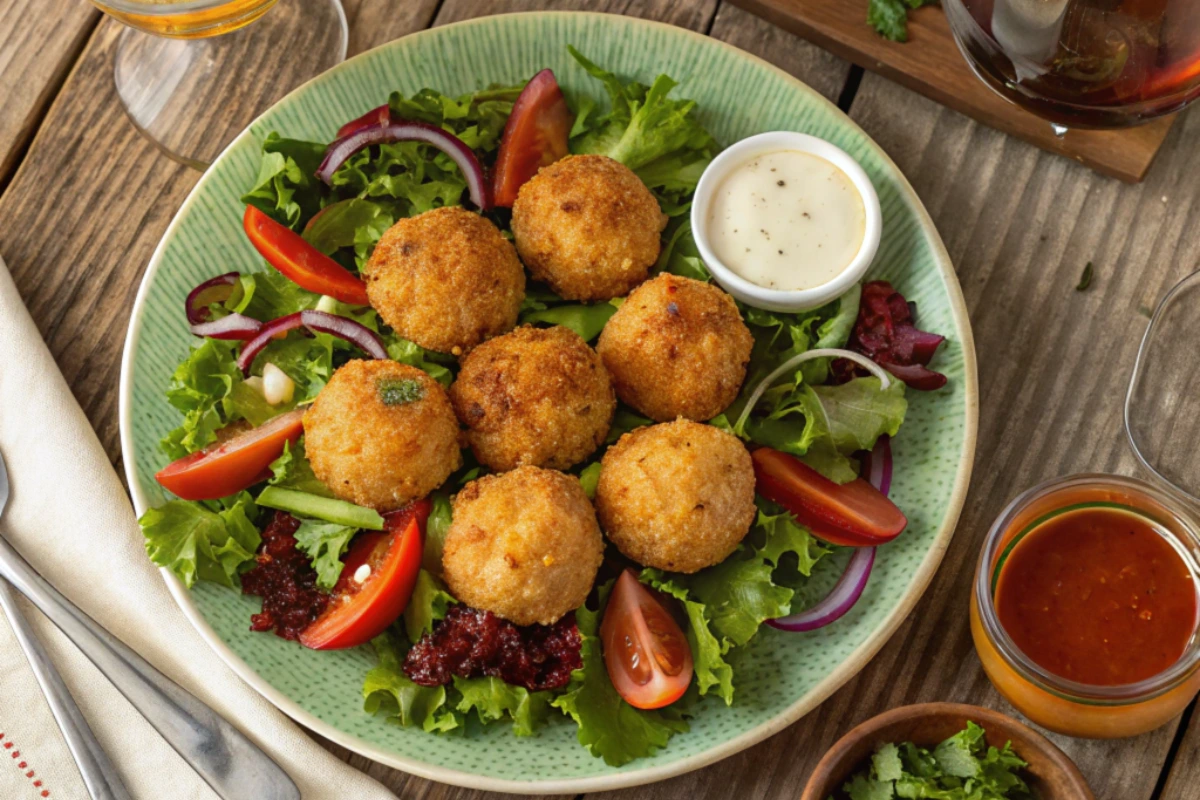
{"x": 70, "y": 517}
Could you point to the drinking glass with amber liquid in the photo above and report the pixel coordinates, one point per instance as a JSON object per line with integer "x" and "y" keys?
{"x": 191, "y": 74}
{"x": 1084, "y": 63}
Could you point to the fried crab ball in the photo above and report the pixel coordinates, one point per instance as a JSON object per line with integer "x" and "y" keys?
{"x": 382, "y": 434}
{"x": 446, "y": 279}
{"x": 677, "y": 347}
{"x": 678, "y": 496}
{"x": 536, "y": 396}
{"x": 524, "y": 545}
{"x": 587, "y": 226}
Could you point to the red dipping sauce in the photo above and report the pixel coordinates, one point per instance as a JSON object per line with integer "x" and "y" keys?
{"x": 1097, "y": 596}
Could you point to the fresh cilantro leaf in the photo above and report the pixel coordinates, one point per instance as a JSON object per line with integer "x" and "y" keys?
{"x": 324, "y": 542}
{"x": 208, "y": 541}
{"x": 886, "y": 762}
{"x": 862, "y": 788}
{"x": 889, "y": 18}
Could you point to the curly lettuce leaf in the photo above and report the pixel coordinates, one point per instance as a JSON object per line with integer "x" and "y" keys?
{"x": 324, "y": 543}
{"x": 268, "y": 295}
{"x": 292, "y": 470}
{"x": 411, "y": 353}
{"x": 387, "y": 690}
{"x": 587, "y": 320}
{"x": 609, "y": 727}
{"x": 429, "y": 603}
{"x": 658, "y": 138}
{"x": 727, "y": 603}
{"x": 436, "y": 528}
{"x": 492, "y": 699}
{"x": 209, "y": 389}
{"x": 679, "y": 254}
{"x": 208, "y": 541}
{"x": 287, "y": 188}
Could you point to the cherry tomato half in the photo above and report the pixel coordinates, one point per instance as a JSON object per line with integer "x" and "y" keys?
{"x": 303, "y": 264}
{"x": 647, "y": 655}
{"x": 358, "y": 612}
{"x": 376, "y": 116}
{"x": 853, "y": 514}
{"x": 230, "y": 466}
{"x": 534, "y": 136}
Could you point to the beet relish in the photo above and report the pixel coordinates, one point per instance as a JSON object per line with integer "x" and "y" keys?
{"x": 284, "y": 579}
{"x": 884, "y": 332}
{"x": 469, "y": 642}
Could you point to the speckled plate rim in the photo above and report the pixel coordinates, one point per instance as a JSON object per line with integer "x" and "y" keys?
{"x": 814, "y": 697}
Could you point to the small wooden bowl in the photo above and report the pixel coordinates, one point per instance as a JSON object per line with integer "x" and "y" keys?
{"x": 1050, "y": 773}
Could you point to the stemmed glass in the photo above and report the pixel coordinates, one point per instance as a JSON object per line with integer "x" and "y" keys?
{"x": 1084, "y": 63}
{"x": 191, "y": 74}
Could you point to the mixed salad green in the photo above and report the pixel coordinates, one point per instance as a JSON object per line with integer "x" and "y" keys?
{"x": 661, "y": 139}
{"x": 963, "y": 767}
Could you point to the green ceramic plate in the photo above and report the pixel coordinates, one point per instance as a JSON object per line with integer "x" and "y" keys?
{"x": 738, "y": 94}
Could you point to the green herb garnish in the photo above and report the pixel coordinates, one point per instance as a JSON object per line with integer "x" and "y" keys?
{"x": 1085, "y": 280}
{"x": 963, "y": 767}
{"x": 400, "y": 391}
{"x": 889, "y": 18}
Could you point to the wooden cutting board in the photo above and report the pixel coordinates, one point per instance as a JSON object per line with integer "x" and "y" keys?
{"x": 930, "y": 63}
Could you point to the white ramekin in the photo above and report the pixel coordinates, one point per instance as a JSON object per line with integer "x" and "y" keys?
{"x": 779, "y": 299}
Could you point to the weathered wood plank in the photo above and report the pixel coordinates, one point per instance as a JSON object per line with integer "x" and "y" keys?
{"x": 39, "y": 42}
{"x": 1184, "y": 774}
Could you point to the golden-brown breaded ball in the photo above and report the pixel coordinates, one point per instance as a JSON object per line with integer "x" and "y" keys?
{"x": 678, "y": 496}
{"x": 677, "y": 347}
{"x": 588, "y": 226}
{"x": 524, "y": 545}
{"x": 382, "y": 434}
{"x": 446, "y": 279}
{"x": 536, "y": 396}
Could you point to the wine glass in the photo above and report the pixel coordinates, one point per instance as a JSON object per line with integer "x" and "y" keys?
{"x": 191, "y": 74}
{"x": 1083, "y": 63}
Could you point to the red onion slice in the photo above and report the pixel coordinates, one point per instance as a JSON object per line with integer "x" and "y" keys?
{"x": 376, "y": 116}
{"x": 878, "y": 471}
{"x": 231, "y": 326}
{"x": 346, "y": 329}
{"x": 213, "y": 290}
{"x": 341, "y": 327}
{"x": 448, "y": 143}
{"x": 843, "y": 597}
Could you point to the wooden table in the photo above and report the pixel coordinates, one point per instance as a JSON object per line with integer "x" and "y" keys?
{"x": 84, "y": 199}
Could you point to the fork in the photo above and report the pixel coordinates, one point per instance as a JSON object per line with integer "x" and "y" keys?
{"x": 230, "y": 763}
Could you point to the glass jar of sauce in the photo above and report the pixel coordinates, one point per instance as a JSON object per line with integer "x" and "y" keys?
{"x": 1084, "y": 606}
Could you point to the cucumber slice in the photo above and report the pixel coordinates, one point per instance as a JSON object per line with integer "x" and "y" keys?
{"x": 303, "y": 504}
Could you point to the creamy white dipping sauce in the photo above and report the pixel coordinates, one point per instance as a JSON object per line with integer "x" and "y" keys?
{"x": 787, "y": 220}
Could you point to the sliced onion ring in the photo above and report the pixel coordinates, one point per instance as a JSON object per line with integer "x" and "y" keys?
{"x": 341, "y": 327}
{"x": 213, "y": 290}
{"x": 885, "y": 379}
{"x": 850, "y": 586}
{"x": 231, "y": 326}
{"x": 448, "y": 143}
{"x": 844, "y": 595}
{"x": 347, "y": 329}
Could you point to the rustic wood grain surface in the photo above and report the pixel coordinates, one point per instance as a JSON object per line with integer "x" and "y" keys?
{"x": 90, "y": 199}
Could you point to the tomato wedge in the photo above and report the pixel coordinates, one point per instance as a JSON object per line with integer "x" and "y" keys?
{"x": 230, "y": 466}
{"x": 358, "y": 612}
{"x": 534, "y": 136}
{"x": 305, "y": 265}
{"x": 647, "y": 655}
{"x": 853, "y": 514}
